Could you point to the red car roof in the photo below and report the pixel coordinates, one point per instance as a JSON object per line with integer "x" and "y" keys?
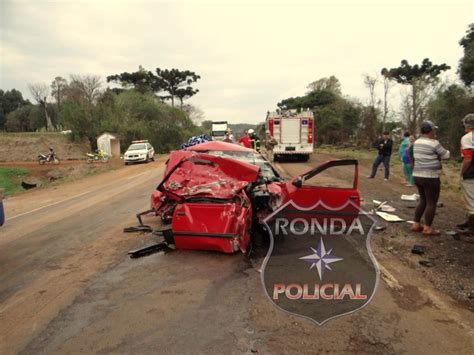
{"x": 218, "y": 145}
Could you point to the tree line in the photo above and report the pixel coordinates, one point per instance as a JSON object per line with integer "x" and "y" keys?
{"x": 136, "y": 109}
{"x": 340, "y": 119}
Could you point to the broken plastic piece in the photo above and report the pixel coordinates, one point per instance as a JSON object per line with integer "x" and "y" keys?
{"x": 418, "y": 249}
{"x": 413, "y": 197}
{"x": 387, "y": 208}
{"x": 425, "y": 263}
{"x": 141, "y": 228}
{"x": 150, "y": 249}
{"x": 453, "y": 234}
{"x": 389, "y": 217}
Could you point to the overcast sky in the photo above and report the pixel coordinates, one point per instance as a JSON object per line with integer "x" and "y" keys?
{"x": 249, "y": 54}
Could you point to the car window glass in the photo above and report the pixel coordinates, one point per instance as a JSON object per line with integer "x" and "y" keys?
{"x": 137, "y": 147}
{"x": 336, "y": 176}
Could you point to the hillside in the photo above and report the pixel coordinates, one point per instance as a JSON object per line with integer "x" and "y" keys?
{"x": 27, "y": 146}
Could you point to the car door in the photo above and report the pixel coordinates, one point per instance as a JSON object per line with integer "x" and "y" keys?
{"x": 324, "y": 184}
{"x": 149, "y": 150}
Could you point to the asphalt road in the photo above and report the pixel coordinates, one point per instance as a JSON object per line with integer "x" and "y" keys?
{"x": 68, "y": 286}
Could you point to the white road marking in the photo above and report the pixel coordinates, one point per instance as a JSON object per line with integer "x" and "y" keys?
{"x": 65, "y": 200}
{"x": 51, "y": 204}
{"x": 135, "y": 176}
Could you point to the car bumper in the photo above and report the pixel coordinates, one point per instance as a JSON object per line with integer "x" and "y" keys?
{"x": 134, "y": 160}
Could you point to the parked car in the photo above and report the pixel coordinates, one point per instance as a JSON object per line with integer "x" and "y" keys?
{"x": 213, "y": 194}
{"x": 139, "y": 151}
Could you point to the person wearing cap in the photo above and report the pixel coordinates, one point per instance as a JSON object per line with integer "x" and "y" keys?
{"x": 467, "y": 171}
{"x": 428, "y": 153}
{"x": 270, "y": 143}
{"x": 384, "y": 146}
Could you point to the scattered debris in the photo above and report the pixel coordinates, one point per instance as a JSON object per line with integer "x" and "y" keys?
{"x": 380, "y": 227}
{"x": 141, "y": 228}
{"x": 387, "y": 208}
{"x": 148, "y": 250}
{"x": 30, "y": 183}
{"x": 145, "y": 213}
{"x": 377, "y": 203}
{"x": 413, "y": 197}
{"x": 27, "y": 186}
{"x": 418, "y": 249}
{"x": 453, "y": 234}
{"x": 426, "y": 263}
{"x": 389, "y": 217}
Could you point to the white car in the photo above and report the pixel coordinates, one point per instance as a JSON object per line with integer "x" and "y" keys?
{"x": 139, "y": 151}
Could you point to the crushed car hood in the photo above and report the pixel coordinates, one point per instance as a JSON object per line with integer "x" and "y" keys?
{"x": 191, "y": 174}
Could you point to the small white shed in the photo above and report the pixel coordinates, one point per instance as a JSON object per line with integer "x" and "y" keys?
{"x": 109, "y": 143}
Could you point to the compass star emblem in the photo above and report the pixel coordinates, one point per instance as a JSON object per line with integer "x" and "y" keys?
{"x": 321, "y": 258}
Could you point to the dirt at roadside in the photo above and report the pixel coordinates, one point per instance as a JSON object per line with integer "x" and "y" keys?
{"x": 43, "y": 175}
{"x": 26, "y": 146}
{"x": 448, "y": 263}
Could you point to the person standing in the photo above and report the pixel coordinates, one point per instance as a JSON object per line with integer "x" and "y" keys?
{"x": 2, "y": 212}
{"x": 254, "y": 140}
{"x": 401, "y": 151}
{"x": 227, "y": 138}
{"x": 245, "y": 140}
{"x": 270, "y": 143}
{"x": 467, "y": 171}
{"x": 428, "y": 154}
{"x": 408, "y": 163}
{"x": 384, "y": 146}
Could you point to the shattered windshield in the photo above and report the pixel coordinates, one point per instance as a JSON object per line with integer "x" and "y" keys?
{"x": 266, "y": 169}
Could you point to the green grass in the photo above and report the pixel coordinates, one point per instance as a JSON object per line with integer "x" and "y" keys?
{"x": 10, "y": 179}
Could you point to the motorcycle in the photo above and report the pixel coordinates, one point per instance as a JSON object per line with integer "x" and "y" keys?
{"x": 98, "y": 155}
{"x": 47, "y": 158}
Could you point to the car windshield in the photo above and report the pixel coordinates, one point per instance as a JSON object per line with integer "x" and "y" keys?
{"x": 266, "y": 169}
{"x": 137, "y": 147}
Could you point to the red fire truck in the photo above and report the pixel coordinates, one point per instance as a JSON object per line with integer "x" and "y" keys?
{"x": 293, "y": 131}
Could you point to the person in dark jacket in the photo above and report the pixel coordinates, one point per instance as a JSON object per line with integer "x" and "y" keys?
{"x": 384, "y": 146}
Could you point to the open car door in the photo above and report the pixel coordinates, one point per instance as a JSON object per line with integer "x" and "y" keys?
{"x": 333, "y": 191}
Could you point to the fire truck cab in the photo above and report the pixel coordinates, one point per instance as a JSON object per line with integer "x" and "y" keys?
{"x": 293, "y": 131}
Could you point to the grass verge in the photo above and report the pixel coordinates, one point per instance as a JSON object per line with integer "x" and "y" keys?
{"x": 10, "y": 179}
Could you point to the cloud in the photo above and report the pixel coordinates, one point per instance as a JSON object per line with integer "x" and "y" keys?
{"x": 250, "y": 55}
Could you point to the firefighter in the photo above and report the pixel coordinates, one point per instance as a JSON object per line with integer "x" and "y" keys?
{"x": 270, "y": 143}
{"x": 254, "y": 140}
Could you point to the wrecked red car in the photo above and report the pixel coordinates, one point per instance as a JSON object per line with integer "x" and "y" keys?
{"x": 214, "y": 194}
